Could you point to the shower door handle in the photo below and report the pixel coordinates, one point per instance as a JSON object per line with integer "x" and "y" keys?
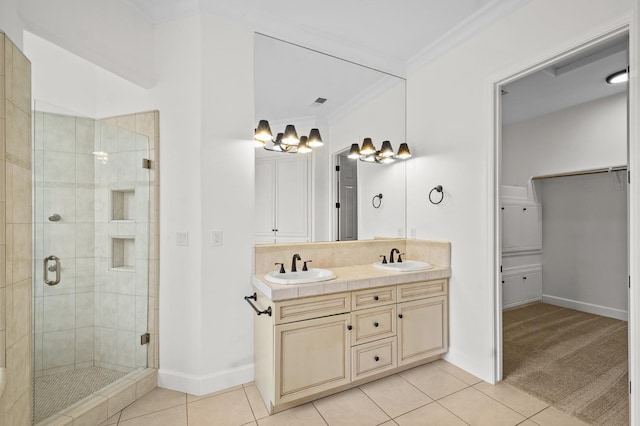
{"x": 45, "y": 270}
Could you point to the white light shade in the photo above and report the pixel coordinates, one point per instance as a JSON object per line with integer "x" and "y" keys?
{"x": 403, "y": 151}
{"x": 315, "y": 140}
{"x": 354, "y": 152}
{"x": 386, "y": 150}
{"x": 367, "y": 147}
{"x": 263, "y": 132}
{"x": 303, "y": 147}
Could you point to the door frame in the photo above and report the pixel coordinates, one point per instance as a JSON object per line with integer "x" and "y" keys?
{"x": 335, "y": 182}
{"x": 628, "y": 25}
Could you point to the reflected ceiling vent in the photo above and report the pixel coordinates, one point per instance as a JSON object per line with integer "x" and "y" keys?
{"x": 320, "y": 101}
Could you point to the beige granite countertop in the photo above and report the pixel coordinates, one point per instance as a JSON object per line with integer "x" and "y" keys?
{"x": 348, "y": 278}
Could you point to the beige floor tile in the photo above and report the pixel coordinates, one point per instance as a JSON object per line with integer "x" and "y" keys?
{"x": 554, "y": 417}
{"x": 513, "y": 398}
{"x": 389, "y": 423}
{"x": 176, "y": 416}
{"x": 193, "y": 398}
{"x": 433, "y": 381}
{"x": 395, "y": 395}
{"x": 113, "y": 420}
{"x": 350, "y": 408}
{"x": 229, "y": 408}
{"x": 156, "y": 400}
{"x": 478, "y": 409}
{"x": 257, "y": 405}
{"x": 457, "y": 372}
{"x": 303, "y": 415}
{"x": 528, "y": 423}
{"x": 430, "y": 415}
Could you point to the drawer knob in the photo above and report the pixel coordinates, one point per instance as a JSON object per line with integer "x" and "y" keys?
{"x": 399, "y": 315}
{"x": 375, "y": 298}
{"x": 375, "y": 324}
{"x": 377, "y": 358}
{"x": 349, "y": 327}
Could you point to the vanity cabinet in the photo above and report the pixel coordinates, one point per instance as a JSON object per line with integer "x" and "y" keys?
{"x": 314, "y": 346}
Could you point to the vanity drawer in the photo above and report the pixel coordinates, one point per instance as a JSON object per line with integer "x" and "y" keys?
{"x": 373, "y": 324}
{"x": 373, "y": 358}
{"x": 312, "y": 307}
{"x": 421, "y": 290}
{"x": 371, "y": 297}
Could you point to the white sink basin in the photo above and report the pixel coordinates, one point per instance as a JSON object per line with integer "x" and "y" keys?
{"x": 313, "y": 275}
{"x": 404, "y": 266}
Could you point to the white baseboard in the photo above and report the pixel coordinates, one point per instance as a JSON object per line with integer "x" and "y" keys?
{"x": 586, "y": 307}
{"x": 203, "y": 385}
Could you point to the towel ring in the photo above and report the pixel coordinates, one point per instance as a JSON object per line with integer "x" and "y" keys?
{"x": 379, "y": 203}
{"x": 437, "y": 189}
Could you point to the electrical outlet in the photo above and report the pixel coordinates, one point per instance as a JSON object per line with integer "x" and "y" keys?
{"x": 216, "y": 238}
{"x": 182, "y": 238}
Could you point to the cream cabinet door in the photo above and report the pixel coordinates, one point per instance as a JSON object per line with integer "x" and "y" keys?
{"x": 422, "y": 329}
{"x": 312, "y": 356}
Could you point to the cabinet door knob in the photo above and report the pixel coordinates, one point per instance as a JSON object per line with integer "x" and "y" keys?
{"x": 377, "y": 358}
{"x": 349, "y": 327}
{"x": 524, "y": 278}
{"x": 375, "y": 324}
{"x": 502, "y": 281}
{"x": 524, "y": 209}
{"x": 399, "y": 315}
{"x": 375, "y": 298}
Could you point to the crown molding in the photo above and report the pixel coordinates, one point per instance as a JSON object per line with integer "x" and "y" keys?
{"x": 463, "y": 31}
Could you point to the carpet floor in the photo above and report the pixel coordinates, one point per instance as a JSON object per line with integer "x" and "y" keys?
{"x": 574, "y": 361}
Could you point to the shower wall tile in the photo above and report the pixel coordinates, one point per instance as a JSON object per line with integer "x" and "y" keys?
{"x": 106, "y": 344}
{"x": 18, "y": 311}
{"x": 85, "y": 275}
{"x": 84, "y": 345}
{"x": 85, "y": 136}
{"x": 59, "y": 167}
{"x": 58, "y": 349}
{"x": 126, "y": 123}
{"x": 59, "y": 200}
{"x": 85, "y": 240}
{"x": 126, "y": 312}
{"x": 3, "y": 319}
{"x": 22, "y": 252}
{"x": 106, "y": 310}
{"x": 85, "y": 205}
{"x": 85, "y": 310}
{"x": 142, "y": 278}
{"x": 126, "y": 283}
{"x": 3, "y": 126}
{"x": 18, "y": 84}
{"x": 38, "y": 307}
{"x": 18, "y": 382}
{"x": 3, "y": 220}
{"x": 37, "y": 351}
{"x": 108, "y": 137}
{"x": 62, "y": 238}
{"x": 17, "y": 133}
{"x": 85, "y": 168}
{"x": 142, "y": 303}
{"x": 38, "y": 129}
{"x": 59, "y": 312}
{"x": 60, "y": 133}
{"x": 127, "y": 348}
{"x": 19, "y": 203}
{"x": 126, "y": 137}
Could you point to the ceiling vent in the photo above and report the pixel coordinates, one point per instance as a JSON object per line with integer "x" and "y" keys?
{"x": 320, "y": 101}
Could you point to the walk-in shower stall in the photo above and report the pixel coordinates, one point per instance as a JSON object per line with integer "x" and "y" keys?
{"x": 91, "y": 255}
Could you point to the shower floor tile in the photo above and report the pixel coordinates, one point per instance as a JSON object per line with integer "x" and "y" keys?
{"x": 56, "y": 392}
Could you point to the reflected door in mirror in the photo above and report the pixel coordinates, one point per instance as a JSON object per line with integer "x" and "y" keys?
{"x": 282, "y": 200}
{"x": 347, "y": 198}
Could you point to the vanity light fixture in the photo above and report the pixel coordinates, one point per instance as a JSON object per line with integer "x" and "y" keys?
{"x": 369, "y": 154}
{"x": 618, "y": 77}
{"x": 288, "y": 141}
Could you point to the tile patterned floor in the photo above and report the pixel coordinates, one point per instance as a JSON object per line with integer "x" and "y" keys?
{"x": 434, "y": 394}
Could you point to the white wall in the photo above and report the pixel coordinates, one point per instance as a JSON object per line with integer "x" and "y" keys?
{"x": 112, "y": 34}
{"x": 450, "y": 110}
{"x": 587, "y": 136}
{"x": 382, "y": 118}
{"x": 584, "y": 237}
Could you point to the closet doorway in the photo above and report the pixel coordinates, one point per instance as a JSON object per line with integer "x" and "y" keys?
{"x": 563, "y": 226}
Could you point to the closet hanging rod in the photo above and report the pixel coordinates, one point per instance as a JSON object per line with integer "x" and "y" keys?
{"x": 582, "y": 172}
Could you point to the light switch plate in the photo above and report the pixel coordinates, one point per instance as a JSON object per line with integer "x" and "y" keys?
{"x": 216, "y": 238}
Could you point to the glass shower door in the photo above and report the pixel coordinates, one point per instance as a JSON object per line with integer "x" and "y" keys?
{"x": 91, "y": 249}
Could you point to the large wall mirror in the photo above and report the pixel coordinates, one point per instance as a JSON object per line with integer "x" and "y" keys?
{"x": 296, "y": 194}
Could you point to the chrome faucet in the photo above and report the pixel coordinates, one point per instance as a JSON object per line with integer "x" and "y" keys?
{"x": 391, "y": 254}
{"x": 294, "y": 267}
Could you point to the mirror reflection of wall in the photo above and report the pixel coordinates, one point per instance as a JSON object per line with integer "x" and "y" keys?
{"x": 296, "y": 194}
